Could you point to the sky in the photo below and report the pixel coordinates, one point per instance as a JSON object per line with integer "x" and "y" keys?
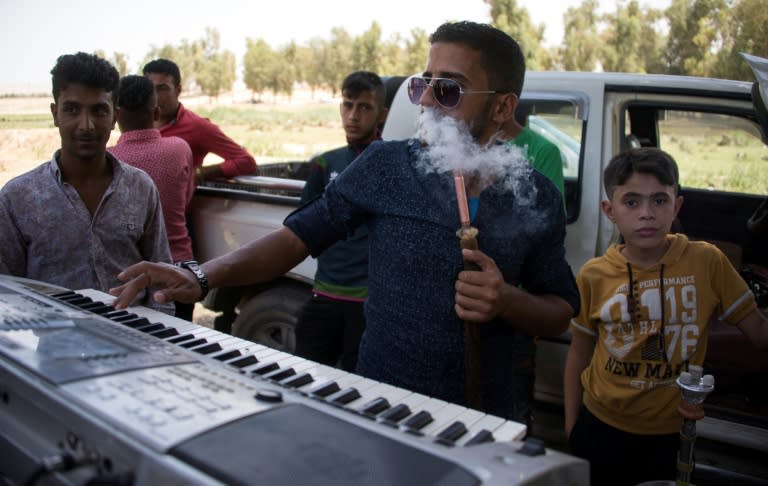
{"x": 33, "y": 33}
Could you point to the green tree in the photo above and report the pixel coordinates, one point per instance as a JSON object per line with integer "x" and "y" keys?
{"x": 392, "y": 56}
{"x": 303, "y": 59}
{"x": 256, "y": 60}
{"x": 118, "y": 59}
{"x": 695, "y": 35}
{"x": 338, "y": 59}
{"x": 217, "y": 74}
{"x": 317, "y": 53}
{"x": 282, "y": 73}
{"x": 293, "y": 70}
{"x": 746, "y": 32}
{"x": 416, "y": 49}
{"x": 630, "y": 39}
{"x": 184, "y": 55}
{"x": 215, "y": 69}
{"x": 365, "y": 50}
{"x": 581, "y": 48}
{"x": 507, "y": 16}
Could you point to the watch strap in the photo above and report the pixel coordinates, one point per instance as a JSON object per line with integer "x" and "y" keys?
{"x": 202, "y": 280}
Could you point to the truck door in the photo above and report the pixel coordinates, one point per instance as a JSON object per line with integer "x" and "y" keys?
{"x": 718, "y": 141}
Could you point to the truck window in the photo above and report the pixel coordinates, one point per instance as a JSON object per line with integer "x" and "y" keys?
{"x": 559, "y": 121}
{"x": 716, "y": 152}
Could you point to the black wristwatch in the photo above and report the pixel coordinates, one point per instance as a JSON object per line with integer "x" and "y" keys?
{"x": 193, "y": 267}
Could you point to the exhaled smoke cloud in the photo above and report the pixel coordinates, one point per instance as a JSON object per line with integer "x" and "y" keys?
{"x": 450, "y": 147}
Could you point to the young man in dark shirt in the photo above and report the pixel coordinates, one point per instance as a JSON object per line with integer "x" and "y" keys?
{"x": 331, "y": 323}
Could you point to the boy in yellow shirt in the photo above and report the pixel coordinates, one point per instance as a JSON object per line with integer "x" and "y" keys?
{"x": 645, "y": 306}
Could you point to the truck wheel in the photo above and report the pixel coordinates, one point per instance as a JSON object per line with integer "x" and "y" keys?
{"x": 269, "y": 318}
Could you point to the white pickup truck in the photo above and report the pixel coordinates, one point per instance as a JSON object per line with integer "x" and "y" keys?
{"x": 717, "y": 135}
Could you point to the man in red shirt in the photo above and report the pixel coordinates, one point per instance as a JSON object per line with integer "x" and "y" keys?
{"x": 167, "y": 160}
{"x": 201, "y": 134}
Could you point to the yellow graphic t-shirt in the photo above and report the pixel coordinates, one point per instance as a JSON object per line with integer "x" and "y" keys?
{"x": 649, "y": 323}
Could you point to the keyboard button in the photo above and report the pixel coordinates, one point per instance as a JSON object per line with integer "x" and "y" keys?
{"x": 344, "y": 396}
{"x": 482, "y": 437}
{"x": 452, "y": 433}
{"x": 165, "y": 333}
{"x": 265, "y": 368}
{"x": 244, "y": 361}
{"x": 324, "y": 389}
{"x": 298, "y": 380}
{"x": 193, "y": 343}
{"x": 395, "y": 414}
{"x": 418, "y": 421}
{"x": 280, "y": 374}
{"x": 375, "y": 407}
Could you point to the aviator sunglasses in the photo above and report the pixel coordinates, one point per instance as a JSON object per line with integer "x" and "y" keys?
{"x": 447, "y": 92}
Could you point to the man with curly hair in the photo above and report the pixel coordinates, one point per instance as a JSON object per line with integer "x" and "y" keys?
{"x": 78, "y": 219}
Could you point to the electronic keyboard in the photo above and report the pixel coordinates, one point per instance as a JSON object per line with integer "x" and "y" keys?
{"x": 135, "y": 396}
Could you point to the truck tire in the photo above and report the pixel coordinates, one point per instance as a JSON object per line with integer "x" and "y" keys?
{"x": 269, "y": 317}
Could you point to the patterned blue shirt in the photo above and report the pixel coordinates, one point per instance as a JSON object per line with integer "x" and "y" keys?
{"x": 413, "y": 337}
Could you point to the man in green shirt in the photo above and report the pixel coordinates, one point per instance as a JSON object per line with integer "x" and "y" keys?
{"x": 543, "y": 155}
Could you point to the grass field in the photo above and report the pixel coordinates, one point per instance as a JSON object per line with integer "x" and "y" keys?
{"x": 716, "y": 152}
{"x": 272, "y": 132}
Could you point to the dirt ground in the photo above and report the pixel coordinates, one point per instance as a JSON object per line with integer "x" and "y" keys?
{"x": 23, "y": 149}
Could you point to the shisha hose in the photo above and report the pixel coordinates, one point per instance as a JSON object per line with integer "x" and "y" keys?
{"x": 473, "y": 363}
{"x": 694, "y": 389}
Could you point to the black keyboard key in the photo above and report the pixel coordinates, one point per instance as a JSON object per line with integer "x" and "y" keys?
{"x": 395, "y": 414}
{"x": 226, "y": 355}
{"x": 481, "y": 437}
{"x": 61, "y": 295}
{"x": 165, "y": 333}
{"x": 102, "y": 310}
{"x": 265, "y": 368}
{"x": 297, "y": 381}
{"x": 452, "y": 433}
{"x": 324, "y": 389}
{"x": 375, "y": 406}
{"x": 244, "y": 361}
{"x": 193, "y": 343}
{"x": 344, "y": 396}
{"x": 207, "y": 348}
{"x": 155, "y": 326}
{"x": 117, "y": 313}
{"x": 137, "y": 322}
{"x": 126, "y": 317}
{"x": 78, "y": 300}
{"x": 419, "y": 421}
{"x": 280, "y": 374}
{"x": 93, "y": 303}
{"x": 181, "y": 339}
{"x": 97, "y": 308}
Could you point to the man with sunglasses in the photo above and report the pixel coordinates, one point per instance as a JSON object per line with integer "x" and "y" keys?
{"x": 417, "y": 306}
